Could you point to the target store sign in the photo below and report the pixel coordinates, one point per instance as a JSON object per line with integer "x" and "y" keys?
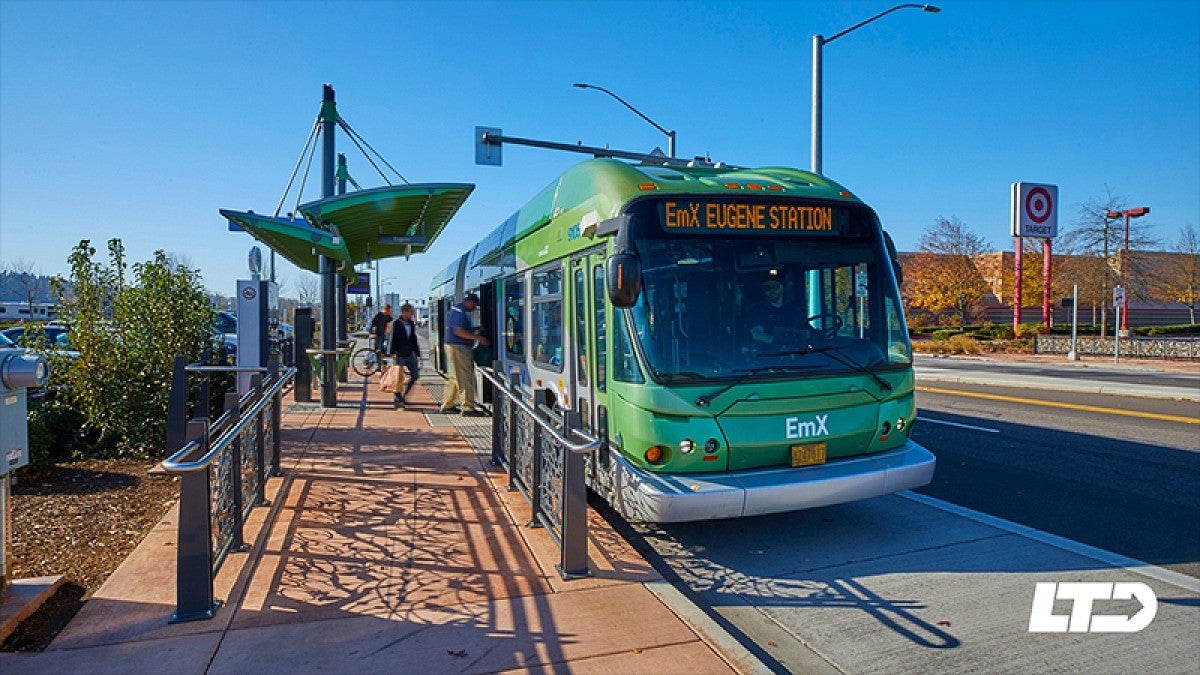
{"x": 1034, "y": 210}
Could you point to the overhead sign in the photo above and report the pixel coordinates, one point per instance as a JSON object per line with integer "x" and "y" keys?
{"x": 360, "y": 287}
{"x": 752, "y": 218}
{"x": 1034, "y": 210}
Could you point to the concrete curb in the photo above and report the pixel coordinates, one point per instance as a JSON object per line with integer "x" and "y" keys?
{"x": 923, "y": 374}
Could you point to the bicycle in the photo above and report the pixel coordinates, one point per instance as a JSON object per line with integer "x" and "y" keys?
{"x": 366, "y": 361}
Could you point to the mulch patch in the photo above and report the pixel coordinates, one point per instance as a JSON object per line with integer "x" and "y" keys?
{"x": 81, "y": 520}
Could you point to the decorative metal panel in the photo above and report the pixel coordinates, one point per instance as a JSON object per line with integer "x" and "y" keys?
{"x": 522, "y": 456}
{"x": 552, "y": 481}
{"x": 249, "y": 444}
{"x": 223, "y": 511}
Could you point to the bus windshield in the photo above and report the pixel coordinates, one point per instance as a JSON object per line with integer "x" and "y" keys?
{"x": 730, "y": 305}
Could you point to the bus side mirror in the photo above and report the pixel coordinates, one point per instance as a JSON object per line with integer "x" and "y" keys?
{"x": 624, "y": 276}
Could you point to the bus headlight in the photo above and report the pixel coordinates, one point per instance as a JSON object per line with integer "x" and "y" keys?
{"x": 711, "y": 445}
{"x": 655, "y": 454}
{"x": 686, "y": 446}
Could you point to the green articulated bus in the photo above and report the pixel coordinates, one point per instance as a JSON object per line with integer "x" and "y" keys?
{"x": 735, "y": 336}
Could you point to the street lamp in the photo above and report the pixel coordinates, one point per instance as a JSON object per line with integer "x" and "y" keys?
{"x": 670, "y": 134}
{"x": 1128, "y": 213}
{"x": 817, "y": 43}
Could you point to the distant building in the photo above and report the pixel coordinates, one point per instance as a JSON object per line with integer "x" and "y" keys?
{"x": 997, "y": 271}
{"x": 20, "y": 311}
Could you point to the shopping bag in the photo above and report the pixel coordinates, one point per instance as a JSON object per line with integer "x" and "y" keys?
{"x": 390, "y": 380}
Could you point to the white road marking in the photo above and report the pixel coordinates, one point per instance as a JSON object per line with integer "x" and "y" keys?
{"x": 956, "y": 424}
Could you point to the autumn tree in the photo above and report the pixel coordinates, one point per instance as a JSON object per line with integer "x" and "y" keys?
{"x": 942, "y": 275}
{"x": 1178, "y": 277}
{"x": 1102, "y": 239}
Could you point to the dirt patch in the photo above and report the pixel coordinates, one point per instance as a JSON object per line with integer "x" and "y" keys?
{"x": 81, "y": 520}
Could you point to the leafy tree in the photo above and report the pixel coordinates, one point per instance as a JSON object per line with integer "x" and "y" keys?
{"x": 127, "y": 333}
{"x": 1094, "y": 235}
{"x": 1178, "y": 278}
{"x": 942, "y": 274}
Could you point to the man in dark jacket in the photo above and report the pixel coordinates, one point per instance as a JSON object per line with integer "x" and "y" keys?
{"x": 379, "y": 327}
{"x": 402, "y": 344}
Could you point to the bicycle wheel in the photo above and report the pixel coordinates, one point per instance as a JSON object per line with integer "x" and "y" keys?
{"x": 365, "y": 362}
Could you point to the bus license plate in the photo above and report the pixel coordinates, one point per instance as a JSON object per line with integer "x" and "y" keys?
{"x": 807, "y": 455}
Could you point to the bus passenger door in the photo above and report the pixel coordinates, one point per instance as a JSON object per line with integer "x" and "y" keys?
{"x": 488, "y": 299}
{"x": 588, "y": 335}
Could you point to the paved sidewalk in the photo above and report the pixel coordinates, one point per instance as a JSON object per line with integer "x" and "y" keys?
{"x": 391, "y": 546}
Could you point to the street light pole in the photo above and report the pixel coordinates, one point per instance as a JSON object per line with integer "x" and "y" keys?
{"x": 670, "y": 134}
{"x": 1128, "y": 213}
{"x": 818, "y": 42}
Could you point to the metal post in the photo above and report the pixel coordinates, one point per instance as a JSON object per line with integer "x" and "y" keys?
{"x": 1046, "y": 283}
{"x": 1117, "y": 337}
{"x": 239, "y": 500}
{"x": 328, "y": 285}
{"x": 1124, "y": 322}
{"x": 540, "y": 398}
{"x": 497, "y": 424}
{"x": 193, "y": 552}
{"x": 260, "y": 437}
{"x": 817, "y": 42}
{"x": 1074, "y": 355}
{"x": 573, "y": 562}
{"x": 511, "y": 458}
{"x": 177, "y": 406}
{"x": 1017, "y": 288}
{"x": 276, "y": 414}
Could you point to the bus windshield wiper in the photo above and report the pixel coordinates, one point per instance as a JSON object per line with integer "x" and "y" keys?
{"x": 708, "y": 398}
{"x": 831, "y": 352}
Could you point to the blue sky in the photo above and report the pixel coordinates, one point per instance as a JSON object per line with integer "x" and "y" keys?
{"x": 141, "y": 120}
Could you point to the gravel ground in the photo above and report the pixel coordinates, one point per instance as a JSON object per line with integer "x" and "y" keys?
{"x": 81, "y": 520}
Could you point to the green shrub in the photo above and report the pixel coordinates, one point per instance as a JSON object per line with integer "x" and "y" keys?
{"x": 128, "y": 332}
{"x": 1184, "y": 329}
{"x": 945, "y": 334}
{"x": 1028, "y": 330}
{"x": 962, "y": 344}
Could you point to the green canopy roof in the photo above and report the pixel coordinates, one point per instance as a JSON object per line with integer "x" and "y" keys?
{"x": 351, "y": 228}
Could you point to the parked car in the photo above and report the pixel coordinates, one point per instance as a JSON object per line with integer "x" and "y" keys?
{"x": 56, "y": 337}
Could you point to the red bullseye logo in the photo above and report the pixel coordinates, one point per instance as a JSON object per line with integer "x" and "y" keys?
{"x": 1038, "y": 205}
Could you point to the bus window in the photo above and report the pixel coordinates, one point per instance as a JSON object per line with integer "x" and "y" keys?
{"x": 581, "y": 326}
{"x": 547, "y": 316}
{"x": 514, "y": 318}
{"x": 598, "y": 298}
{"x": 625, "y": 365}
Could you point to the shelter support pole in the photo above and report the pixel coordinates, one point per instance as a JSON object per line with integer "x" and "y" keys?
{"x": 328, "y": 285}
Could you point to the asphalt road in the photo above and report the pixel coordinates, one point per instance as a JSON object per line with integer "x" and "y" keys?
{"x": 897, "y": 585}
{"x": 1118, "y": 473}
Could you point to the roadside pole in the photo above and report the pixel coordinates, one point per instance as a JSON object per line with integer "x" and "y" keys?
{"x": 1074, "y": 353}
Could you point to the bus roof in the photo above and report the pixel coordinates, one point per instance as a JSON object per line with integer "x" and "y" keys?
{"x": 604, "y": 186}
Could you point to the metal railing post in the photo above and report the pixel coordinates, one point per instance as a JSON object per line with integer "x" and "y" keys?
{"x": 276, "y": 414}
{"x": 177, "y": 406}
{"x": 233, "y": 406}
{"x": 573, "y": 562}
{"x": 260, "y": 459}
{"x": 540, "y": 398}
{"x": 194, "y": 556}
{"x": 511, "y": 413}
{"x": 497, "y": 425}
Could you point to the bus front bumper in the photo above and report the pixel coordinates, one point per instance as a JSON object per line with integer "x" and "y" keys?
{"x": 677, "y": 498}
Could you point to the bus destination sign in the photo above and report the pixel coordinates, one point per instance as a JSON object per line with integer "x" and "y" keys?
{"x": 752, "y": 218}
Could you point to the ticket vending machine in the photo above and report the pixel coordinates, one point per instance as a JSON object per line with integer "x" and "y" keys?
{"x": 19, "y": 370}
{"x": 258, "y": 323}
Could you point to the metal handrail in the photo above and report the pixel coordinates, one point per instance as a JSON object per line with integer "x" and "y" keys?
{"x": 591, "y": 442}
{"x": 175, "y": 463}
{"x": 201, "y": 368}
